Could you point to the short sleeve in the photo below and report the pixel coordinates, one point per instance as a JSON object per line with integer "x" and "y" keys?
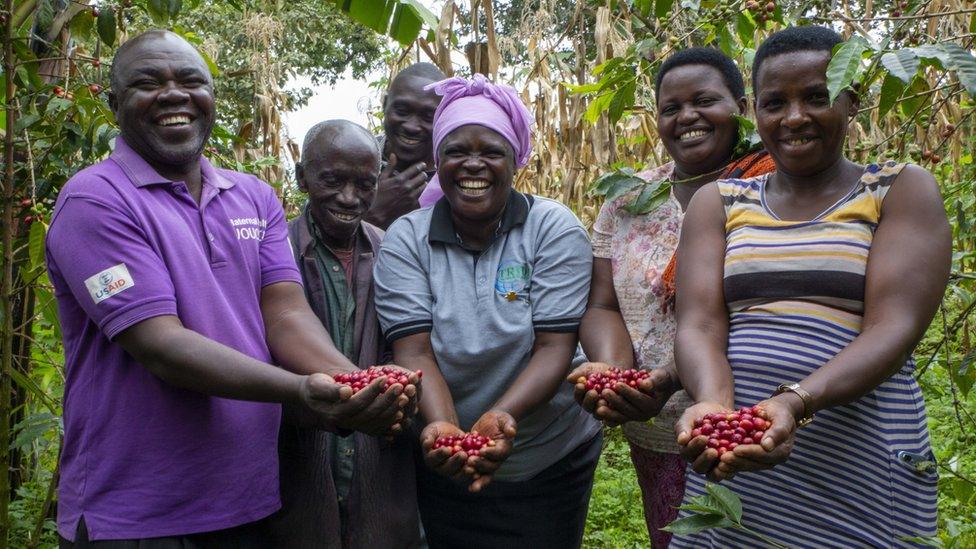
{"x": 101, "y": 258}
{"x": 277, "y": 259}
{"x": 561, "y": 275}
{"x": 403, "y": 296}
{"x": 603, "y": 229}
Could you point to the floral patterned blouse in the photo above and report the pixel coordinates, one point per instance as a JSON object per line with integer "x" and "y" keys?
{"x": 639, "y": 248}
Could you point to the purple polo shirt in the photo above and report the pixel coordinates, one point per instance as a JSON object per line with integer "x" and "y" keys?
{"x": 142, "y": 458}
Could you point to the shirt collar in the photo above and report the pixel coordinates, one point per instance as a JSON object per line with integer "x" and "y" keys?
{"x": 142, "y": 174}
{"x": 442, "y": 226}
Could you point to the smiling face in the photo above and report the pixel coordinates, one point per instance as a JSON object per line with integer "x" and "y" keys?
{"x": 799, "y": 126}
{"x": 694, "y": 118}
{"x": 163, "y": 100}
{"x": 339, "y": 174}
{"x": 476, "y": 169}
{"x": 408, "y": 120}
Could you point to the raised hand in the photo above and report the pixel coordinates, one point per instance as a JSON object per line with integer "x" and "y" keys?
{"x": 397, "y": 193}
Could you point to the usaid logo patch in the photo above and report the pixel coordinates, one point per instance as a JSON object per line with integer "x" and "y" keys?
{"x": 109, "y": 282}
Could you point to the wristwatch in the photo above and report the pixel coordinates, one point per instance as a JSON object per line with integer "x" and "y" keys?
{"x": 804, "y": 396}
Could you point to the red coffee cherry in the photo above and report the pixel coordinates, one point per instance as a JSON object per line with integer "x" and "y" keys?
{"x": 471, "y": 443}
{"x": 361, "y": 379}
{"x": 727, "y": 431}
{"x": 598, "y": 381}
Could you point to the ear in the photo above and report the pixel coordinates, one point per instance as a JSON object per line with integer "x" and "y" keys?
{"x": 743, "y": 104}
{"x": 300, "y": 177}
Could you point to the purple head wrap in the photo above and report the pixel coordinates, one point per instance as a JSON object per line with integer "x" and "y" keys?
{"x": 478, "y": 101}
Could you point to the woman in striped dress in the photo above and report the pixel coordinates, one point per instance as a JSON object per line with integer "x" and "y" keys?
{"x": 805, "y": 291}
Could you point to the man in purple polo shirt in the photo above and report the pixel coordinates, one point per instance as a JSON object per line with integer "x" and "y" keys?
{"x": 177, "y": 291}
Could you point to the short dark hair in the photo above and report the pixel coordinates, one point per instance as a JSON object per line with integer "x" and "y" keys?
{"x": 704, "y": 56}
{"x": 151, "y": 34}
{"x": 793, "y": 39}
{"x": 427, "y": 71}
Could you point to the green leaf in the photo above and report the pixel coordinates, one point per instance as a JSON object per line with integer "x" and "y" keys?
{"x": 964, "y": 64}
{"x": 963, "y": 490}
{"x": 619, "y": 184}
{"x": 158, "y": 11}
{"x": 35, "y": 245}
{"x": 106, "y": 25}
{"x": 902, "y": 63}
{"x": 725, "y": 41}
{"x": 662, "y": 7}
{"x": 49, "y": 307}
{"x": 748, "y": 138}
{"x": 965, "y": 374}
{"x": 651, "y": 196}
{"x": 596, "y": 107}
{"x": 26, "y": 121}
{"x": 371, "y": 13}
{"x": 845, "y": 65}
{"x": 406, "y": 24}
{"x": 697, "y": 523}
{"x": 173, "y": 7}
{"x": 727, "y": 500}
{"x": 910, "y": 106}
{"x": 425, "y": 14}
{"x": 82, "y": 24}
{"x": 644, "y": 6}
{"x": 934, "y": 54}
{"x": 622, "y": 99}
{"x": 581, "y": 88}
{"x": 891, "y": 90}
{"x": 745, "y": 27}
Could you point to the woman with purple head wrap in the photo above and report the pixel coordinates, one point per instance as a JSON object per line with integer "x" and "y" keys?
{"x": 478, "y": 101}
{"x": 483, "y": 292}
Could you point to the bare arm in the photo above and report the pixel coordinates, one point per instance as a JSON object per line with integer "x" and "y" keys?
{"x": 188, "y": 360}
{"x": 603, "y": 333}
{"x": 295, "y": 336}
{"x": 703, "y": 323}
{"x": 907, "y": 271}
{"x": 703, "y": 320}
{"x": 548, "y": 365}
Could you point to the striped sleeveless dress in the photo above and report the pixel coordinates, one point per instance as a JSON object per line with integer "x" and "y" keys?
{"x": 795, "y": 294}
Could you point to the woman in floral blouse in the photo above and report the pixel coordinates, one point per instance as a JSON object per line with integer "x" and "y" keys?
{"x": 629, "y": 322}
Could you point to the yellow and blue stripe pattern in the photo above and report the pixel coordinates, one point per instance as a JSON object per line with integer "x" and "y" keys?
{"x": 795, "y": 294}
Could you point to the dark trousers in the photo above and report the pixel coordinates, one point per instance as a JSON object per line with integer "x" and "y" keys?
{"x": 547, "y": 511}
{"x": 245, "y": 536}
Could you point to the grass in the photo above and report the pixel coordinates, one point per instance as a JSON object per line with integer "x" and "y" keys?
{"x": 616, "y": 517}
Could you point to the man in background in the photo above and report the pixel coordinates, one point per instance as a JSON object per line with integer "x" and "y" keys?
{"x": 408, "y": 116}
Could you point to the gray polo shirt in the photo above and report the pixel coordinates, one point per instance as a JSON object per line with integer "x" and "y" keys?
{"x": 482, "y": 311}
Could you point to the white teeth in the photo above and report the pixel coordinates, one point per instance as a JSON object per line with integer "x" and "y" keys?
{"x": 798, "y": 142}
{"x": 409, "y": 140}
{"x": 344, "y": 216}
{"x": 174, "y": 120}
{"x": 473, "y": 187}
{"x": 692, "y": 135}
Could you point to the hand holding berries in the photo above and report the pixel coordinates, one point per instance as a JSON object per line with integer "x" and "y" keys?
{"x": 443, "y": 459}
{"x": 617, "y": 396}
{"x": 331, "y": 405}
{"x": 500, "y": 428}
{"x": 392, "y": 376}
{"x": 774, "y": 446}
